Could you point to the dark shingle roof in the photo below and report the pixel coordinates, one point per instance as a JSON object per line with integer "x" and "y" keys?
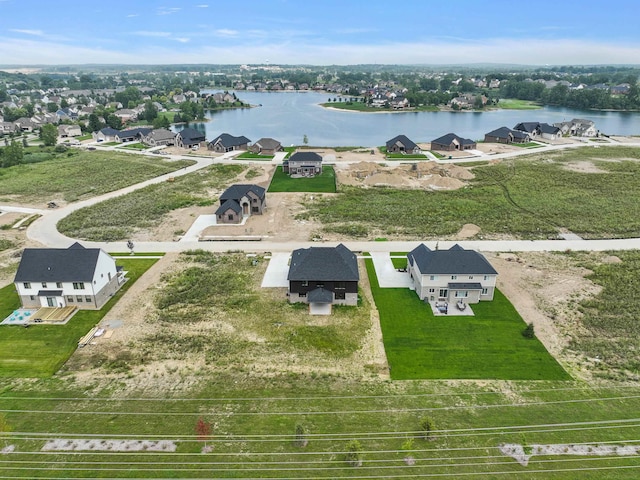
{"x": 73, "y": 264}
{"x": 320, "y": 295}
{"x": 227, "y": 140}
{"x": 528, "y": 127}
{"x": 305, "y": 157}
{"x": 229, "y": 205}
{"x": 502, "y": 132}
{"x": 450, "y": 137}
{"x": 268, "y": 143}
{"x": 337, "y": 264}
{"x": 546, "y": 128}
{"x": 408, "y": 144}
{"x": 191, "y": 135}
{"x": 455, "y": 261}
{"x": 133, "y": 132}
{"x": 236, "y": 192}
{"x": 109, "y": 131}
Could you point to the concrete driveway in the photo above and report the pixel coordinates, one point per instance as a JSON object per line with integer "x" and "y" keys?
{"x": 277, "y": 270}
{"x": 388, "y": 276}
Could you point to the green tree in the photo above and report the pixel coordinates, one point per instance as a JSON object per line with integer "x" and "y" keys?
{"x": 161, "y": 122}
{"x": 94, "y": 123}
{"x": 305, "y": 139}
{"x": 13, "y": 154}
{"x": 353, "y": 456}
{"x": 49, "y": 134}
{"x": 113, "y": 121}
{"x": 150, "y": 112}
{"x": 427, "y": 427}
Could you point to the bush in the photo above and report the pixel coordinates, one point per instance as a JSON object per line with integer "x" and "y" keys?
{"x": 353, "y": 457}
{"x": 528, "y": 332}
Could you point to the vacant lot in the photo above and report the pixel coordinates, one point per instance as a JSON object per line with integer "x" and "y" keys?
{"x": 77, "y": 174}
{"x": 323, "y": 183}
{"x": 533, "y": 197}
{"x": 40, "y": 350}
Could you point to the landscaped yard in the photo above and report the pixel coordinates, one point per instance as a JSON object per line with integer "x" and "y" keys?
{"x": 76, "y": 175}
{"x": 40, "y": 350}
{"x": 253, "y": 156}
{"x": 134, "y": 146}
{"x": 323, "y": 183}
{"x": 488, "y": 345}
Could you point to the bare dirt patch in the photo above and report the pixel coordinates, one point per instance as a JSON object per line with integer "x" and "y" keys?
{"x": 468, "y": 230}
{"x": 517, "y": 451}
{"x": 583, "y": 167}
{"x": 70, "y": 444}
{"x": 495, "y": 148}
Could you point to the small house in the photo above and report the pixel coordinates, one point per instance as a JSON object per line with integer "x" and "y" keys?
{"x": 303, "y": 164}
{"x": 239, "y": 201}
{"x": 451, "y": 142}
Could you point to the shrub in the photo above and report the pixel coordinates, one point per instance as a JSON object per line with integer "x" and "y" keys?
{"x": 528, "y": 332}
{"x": 353, "y": 455}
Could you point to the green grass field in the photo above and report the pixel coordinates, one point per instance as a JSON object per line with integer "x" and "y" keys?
{"x": 515, "y": 104}
{"x": 488, "y": 345}
{"x": 323, "y": 183}
{"x": 80, "y": 175}
{"x": 134, "y": 146}
{"x": 528, "y": 198}
{"x": 40, "y": 350}
{"x": 253, "y": 156}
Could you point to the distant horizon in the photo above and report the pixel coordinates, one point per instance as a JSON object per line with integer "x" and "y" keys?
{"x": 333, "y": 32}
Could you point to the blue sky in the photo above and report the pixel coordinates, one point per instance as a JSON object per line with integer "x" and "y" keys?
{"x": 319, "y": 32}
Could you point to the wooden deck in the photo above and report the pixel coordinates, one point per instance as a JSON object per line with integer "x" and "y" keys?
{"x": 53, "y": 314}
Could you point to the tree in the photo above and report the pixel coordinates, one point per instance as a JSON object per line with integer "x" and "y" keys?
{"x": 528, "y": 332}
{"x": 301, "y": 440}
{"x": 113, "y": 121}
{"x": 427, "y": 428}
{"x": 13, "y": 154}
{"x": 94, "y": 123}
{"x": 203, "y": 430}
{"x": 353, "y": 456}
{"x": 305, "y": 139}
{"x": 49, "y": 134}
{"x": 150, "y": 112}
{"x": 161, "y": 122}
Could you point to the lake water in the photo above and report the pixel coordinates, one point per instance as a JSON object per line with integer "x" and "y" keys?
{"x": 288, "y": 116}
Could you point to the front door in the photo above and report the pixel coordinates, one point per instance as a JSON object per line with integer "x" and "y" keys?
{"x": 51, "y": 302}
{"x": 443, "y": 293}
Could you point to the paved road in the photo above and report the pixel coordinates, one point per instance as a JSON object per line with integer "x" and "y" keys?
{"x": 45, "y": 232}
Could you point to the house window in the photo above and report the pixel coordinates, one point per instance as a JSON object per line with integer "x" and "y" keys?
{"x": 26, "y": 285}
{"x": 302, "y": 295}
{"x": 304, "y": 283}
{"x": 340, "y": 285}
{"x": 485, "y": 291}
{"x": 486, "y": 277}
{"x": 454, "y": 277}
{"x": 432, "y": 290}
{"x": 340, "y": 295}
{"x": 319, "y": 285}
{"x": 44, "y": 284}
{"x": 87, "y": 299}
{"x": 470, "y": 277}
{"x": 79, "y": 299}
{"x": 229, "y": 217}
{"x": 78, "y": 286}
{"x": 32, "y": 297}
{"x": 69, "y": 298}
{"x": 58, "y": 284}
{"x": 432, "y": 277}
{"x": 461, "y": 294}
{"x": 443, "y": 292}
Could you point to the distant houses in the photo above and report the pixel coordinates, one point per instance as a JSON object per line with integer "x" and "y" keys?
{"x": 189, "y": 138}
{"x": 537, "y": 129}
{"x": 401, "y": 144}
{"x": 266, "y": 146}
{"x": 506, "y": 135}
{"x": 228, "y": 143}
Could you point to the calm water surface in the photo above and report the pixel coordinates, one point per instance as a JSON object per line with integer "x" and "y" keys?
{"x": 287, "y": 117}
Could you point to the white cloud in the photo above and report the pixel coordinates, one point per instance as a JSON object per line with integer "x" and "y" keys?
{"x": 147, "y": 33}
{"x": 37, "y": 33}
{"x": 202, "y": 6}
{"x": 167, "y": 10}
{"x": 132, "y": 15}
{"x": 226, "y": 32}
{"x": 181, "y": 39}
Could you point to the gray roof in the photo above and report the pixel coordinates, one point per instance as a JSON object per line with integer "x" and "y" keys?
{"x": 161, "y": 134}
{"x": 227, "y": 140}
{"x": 268, "y": 143}
{"x": 229, "y": 205}
{"x": 402, "y": 139}
{"x": 320, "y": 295}
{"x": 73, "y": 264}
{"x": 450, "y": 137}
{"x": 306, "y": 157}
{"x": 528, "y": 127}
{"x": 236, "y": 192}
{"x": 465, "y": 285}
{"x": 546, "y": 128}
{"x": 191, "y": 135}
{"x": 134, "y": 132}
{"x": 338, "y": 264}
{"x": 455, "y": 261}
{"x": 109, "y": 131}
{"x": 502, "y": 132}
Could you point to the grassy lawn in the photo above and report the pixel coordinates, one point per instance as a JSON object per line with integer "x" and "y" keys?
{"x": 78, "y": 175}
{"x": 528, "y": 198}
{"x": 515, "y": 104}
{"x": 40, "y": 350}
{"x": 528, "y": 145}
{"x": 110, "y": 144}
{"x": 488, "y": 345}
{"x": 254, "y": 156}
{"x": 135, "y": 146}
{"x": 325, "y": 182}
{"x": 117, "y": 218}
{"x": 84, "y": 137}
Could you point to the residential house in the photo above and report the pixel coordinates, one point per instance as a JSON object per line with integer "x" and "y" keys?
{"x": 132, "y": 134}
{"x": 578, "y": 127}
{"x": 506, "y": 135}
{"x": 126, "y": 115}
{"x": 66, "y": 114}
{"x": 451, "y": 275}
{"x": 24, "y": 124}
{"x": 66, "y": 131}
{"x": 159, "y": 136}
{"x": 539, "y": 130}
{"x": 228, "y": 143}
{"x": 189, "y": 138}
{"x": 399, "y": 102}
{"x": 266, "y": 146}
{"x": 532, "y": 128}
{"x": 107, "y": 134}
{"x": 239, "y": 201}
{"x": 451, "y": 141}
{"x": 60, "y": 277}
{"x": 303, "y": 164}
{"x": 323, "y": 275}
{"x": 401, "y": 144}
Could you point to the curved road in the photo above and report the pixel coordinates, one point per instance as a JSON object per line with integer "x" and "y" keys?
{"x": 45, "y": 232}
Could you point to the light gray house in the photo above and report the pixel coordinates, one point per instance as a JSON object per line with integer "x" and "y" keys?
{"x": 159, "y": 136}
{"x": 266, "y": 146}
{"x": 451, "y": 275}
{"x": 303, "y": 164}
{"x": 239, "y": 201}
{"x": 63, "y": 277}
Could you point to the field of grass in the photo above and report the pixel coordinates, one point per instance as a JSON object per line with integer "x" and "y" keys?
{"x": 325, "y": 182}
{"x": 117, "y": 218}
{"x": 6, "y": 244}
{"x": 515, "y": 104}
{"x": 40, "y": 350}
{"x": 80, "y": 175}
{"x": 528, "y": 198}
{"x": 488, "y": 345}
{"x": 134, "y": 146}
{"x": 254, "y": 156}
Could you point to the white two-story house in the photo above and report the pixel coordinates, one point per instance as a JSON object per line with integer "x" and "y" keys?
{"x": 451, "y": 275}
{"x": 63, "y": 277}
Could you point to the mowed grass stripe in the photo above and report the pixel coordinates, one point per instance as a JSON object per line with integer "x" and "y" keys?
{"x": 488, "y": 345}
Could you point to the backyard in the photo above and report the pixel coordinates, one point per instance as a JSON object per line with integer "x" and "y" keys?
{"x": 487, "y": 345}
{"x": 323, "y": 183}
